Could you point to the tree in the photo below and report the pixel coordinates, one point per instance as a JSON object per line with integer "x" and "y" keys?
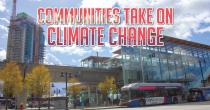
{"x": 13, "y": 81}
{"x": 74, "y": 87}
{"x": 107, "y": 85}
{"x": 38, "y": 81}
{"x": 12, "y": 78}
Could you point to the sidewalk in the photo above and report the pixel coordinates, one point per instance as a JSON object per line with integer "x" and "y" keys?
{"x": 78, "y": 108}
{"x": 99, "y": 108}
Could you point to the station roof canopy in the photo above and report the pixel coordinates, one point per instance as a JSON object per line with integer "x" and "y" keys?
{"x": 117, "y": 51}
{"x": 186, "y": 42}
{"x": 180, "y": 42}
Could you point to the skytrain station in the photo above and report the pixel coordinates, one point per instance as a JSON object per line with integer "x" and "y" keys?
{"x": 178, "y": 61}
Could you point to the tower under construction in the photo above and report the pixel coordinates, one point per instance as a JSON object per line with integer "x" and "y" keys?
{"x": 25, "y": 39}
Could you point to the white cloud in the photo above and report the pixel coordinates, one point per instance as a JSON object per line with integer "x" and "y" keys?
{"x": 37, "y": 0}
{"x": 207, "y": 20}
{"x": 51, "y": 59}
{"x": 4, "y": 20}
{"x": 73, "y": 50}
{"x": 188, "y": 15}
{"x": 98, "y": 49}
{"x": 188, "y": 23}
{"x": 111, "y": 48}
{"x": 2, "y": 5}
{"x": 97, "y": 4}
{"x": 2, "y": 55}
{"x": 203, "y": 30}
{"x": 4, "y": 28}
{"x": 74, "y": 61}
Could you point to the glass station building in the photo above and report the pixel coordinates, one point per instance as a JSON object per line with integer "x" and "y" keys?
{"x": 178, "y": 61}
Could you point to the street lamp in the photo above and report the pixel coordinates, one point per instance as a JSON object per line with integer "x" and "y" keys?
{"x": 66, "y": 75}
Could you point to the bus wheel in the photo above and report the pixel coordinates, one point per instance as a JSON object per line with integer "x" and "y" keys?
{"x": 142, "y": 102}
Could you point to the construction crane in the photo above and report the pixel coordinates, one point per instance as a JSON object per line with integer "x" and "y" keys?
{"x": 14, "y": 9}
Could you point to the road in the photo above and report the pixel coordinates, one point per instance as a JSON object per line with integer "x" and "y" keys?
{"x": 185, "y": 106}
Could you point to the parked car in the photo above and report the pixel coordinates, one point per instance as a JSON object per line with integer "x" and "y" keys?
{"x": 10, "y": 103}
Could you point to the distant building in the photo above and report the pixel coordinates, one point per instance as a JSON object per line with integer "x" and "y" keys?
{"x": 94, "y": 62}
{"x": 100, "y": 62}
{"x": 25, "y": 39}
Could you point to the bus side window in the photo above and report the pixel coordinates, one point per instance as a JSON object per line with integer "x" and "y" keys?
{"x": 162, "y": 92}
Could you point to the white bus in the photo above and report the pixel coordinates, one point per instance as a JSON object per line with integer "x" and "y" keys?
{"x": 141, "y": 94}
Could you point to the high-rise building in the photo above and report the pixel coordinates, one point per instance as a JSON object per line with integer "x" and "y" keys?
{"x": 25, "y": 39}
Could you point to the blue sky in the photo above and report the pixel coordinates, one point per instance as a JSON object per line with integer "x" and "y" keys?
{"x": 191, "y": 22}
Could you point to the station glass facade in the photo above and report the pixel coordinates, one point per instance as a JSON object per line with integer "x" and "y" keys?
{"x": 178, "y": 61}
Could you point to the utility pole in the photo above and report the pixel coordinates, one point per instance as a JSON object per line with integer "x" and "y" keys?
{"x": 66, "y": 76}
{"x": 66, "y": 90}
{"x": 142, "y": 68}
{"x": 97, "y": 59}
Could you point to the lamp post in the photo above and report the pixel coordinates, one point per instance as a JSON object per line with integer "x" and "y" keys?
{"x": 50, "y": 95}
{"x": 66, "y": 75}
{"x": 117, "y": 82}
{"x": 82, "y": 98}
{"x": 118, "y": 86}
